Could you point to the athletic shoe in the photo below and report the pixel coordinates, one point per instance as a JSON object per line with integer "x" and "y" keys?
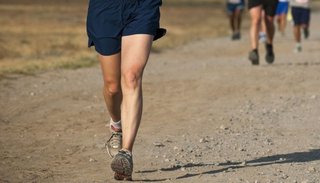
{"x": 254, "y": 57}
{"x": 122, "y": 165}
{"x": 298, "y": 48}
{"x": 306, "y": 33}
{"x": 269, "y": 54}
{"x": 236, "y": 36}
{"x": 114, "y": 144}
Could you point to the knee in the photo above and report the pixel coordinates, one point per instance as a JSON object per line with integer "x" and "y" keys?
{"x": 256, "y": 21}
{"x": 269, "y": 20}
{"x": 112, "y": 87}
{"x": 131, "y": 79}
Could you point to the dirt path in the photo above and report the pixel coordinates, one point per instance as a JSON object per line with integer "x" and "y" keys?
{"x": 209, "y": 116}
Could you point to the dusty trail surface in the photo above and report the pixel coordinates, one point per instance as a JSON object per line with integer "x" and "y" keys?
{"x": 209, "y": 116}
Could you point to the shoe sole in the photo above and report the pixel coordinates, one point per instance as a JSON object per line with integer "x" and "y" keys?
{"x": 254, "y": 60}
{"x": 122, "y": 169}
{"x": 269, "y": 59}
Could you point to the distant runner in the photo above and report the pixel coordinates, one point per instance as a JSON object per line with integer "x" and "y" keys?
{"x": 281, "y": 15}
{"x": 301, "y": 17}
{"x": 234, "y": 10}
{"x": 255, "y": 9}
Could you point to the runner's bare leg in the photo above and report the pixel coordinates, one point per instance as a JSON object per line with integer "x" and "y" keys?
{"x": 255, "y": 14}
{"x": 110, "y": 66}
{"x": 134, "y": 56}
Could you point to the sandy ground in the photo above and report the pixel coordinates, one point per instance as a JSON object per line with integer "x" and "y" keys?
{"x": 209, "y": 116}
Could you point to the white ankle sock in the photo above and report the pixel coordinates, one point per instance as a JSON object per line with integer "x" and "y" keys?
{"x": 115, "y": 126}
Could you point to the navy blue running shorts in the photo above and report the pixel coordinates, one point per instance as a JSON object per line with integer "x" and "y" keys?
{"x": 109, "y": 20}
{"x": 269, "y": 6}
{"x": 301, "y": 16}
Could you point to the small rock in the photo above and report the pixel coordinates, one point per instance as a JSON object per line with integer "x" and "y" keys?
{"x": 282, "y": 159}
{"x": 311, "y": 169}
{"x": 222, "y": 127}
{"x": 244, "y": 163}
{"x": 269, "y": 150}
{"x": 158, "y": 144}
{"x": 167, "y": 160}
{"x": 92, "y": 160}
{"x": 183, "y": 169}
{"x": 175, "y": 148}
{"x": 313, "y": 97}
{"x": 268, "y": 142}
{"x": 284, "y": 176}
{"x": 241, "y": 149}
{"x": 101, "y": 145}
{"x": 203, "y": 140}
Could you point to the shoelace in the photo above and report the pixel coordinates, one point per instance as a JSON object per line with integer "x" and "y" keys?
{"x": 114, "y": 140}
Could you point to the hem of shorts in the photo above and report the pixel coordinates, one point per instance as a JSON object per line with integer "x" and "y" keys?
{"x": 141, "y": 32}
{"x": 91, "y": 44}
{"x": 106, "y": 54}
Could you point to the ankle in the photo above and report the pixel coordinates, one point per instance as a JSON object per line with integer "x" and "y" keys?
{"x": 126, "y": 151}
{"x": 115, "y": 126}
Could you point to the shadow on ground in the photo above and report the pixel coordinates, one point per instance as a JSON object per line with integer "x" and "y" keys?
{"x": 296, "y": 157}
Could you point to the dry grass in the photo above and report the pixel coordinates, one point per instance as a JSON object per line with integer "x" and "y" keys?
{"x": 41, "y": 35}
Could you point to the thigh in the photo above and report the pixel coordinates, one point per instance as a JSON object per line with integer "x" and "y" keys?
{"x": 296, "y": 15}
{"x": 135, "y": 53}
{"x": 229, "y": 9}
{"x": 255, "y": 13}
{"x": 239, "y": 8}
{"x": 305, "y": 19}
{"x": 110, "y": 66}
{"x": 270, "y": 7}
{"x": 254, "y": 3}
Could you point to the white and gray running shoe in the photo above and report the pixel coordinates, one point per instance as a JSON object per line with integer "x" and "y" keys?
{"x": 114, "y": 144}
{"x": 122, "y": 165}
